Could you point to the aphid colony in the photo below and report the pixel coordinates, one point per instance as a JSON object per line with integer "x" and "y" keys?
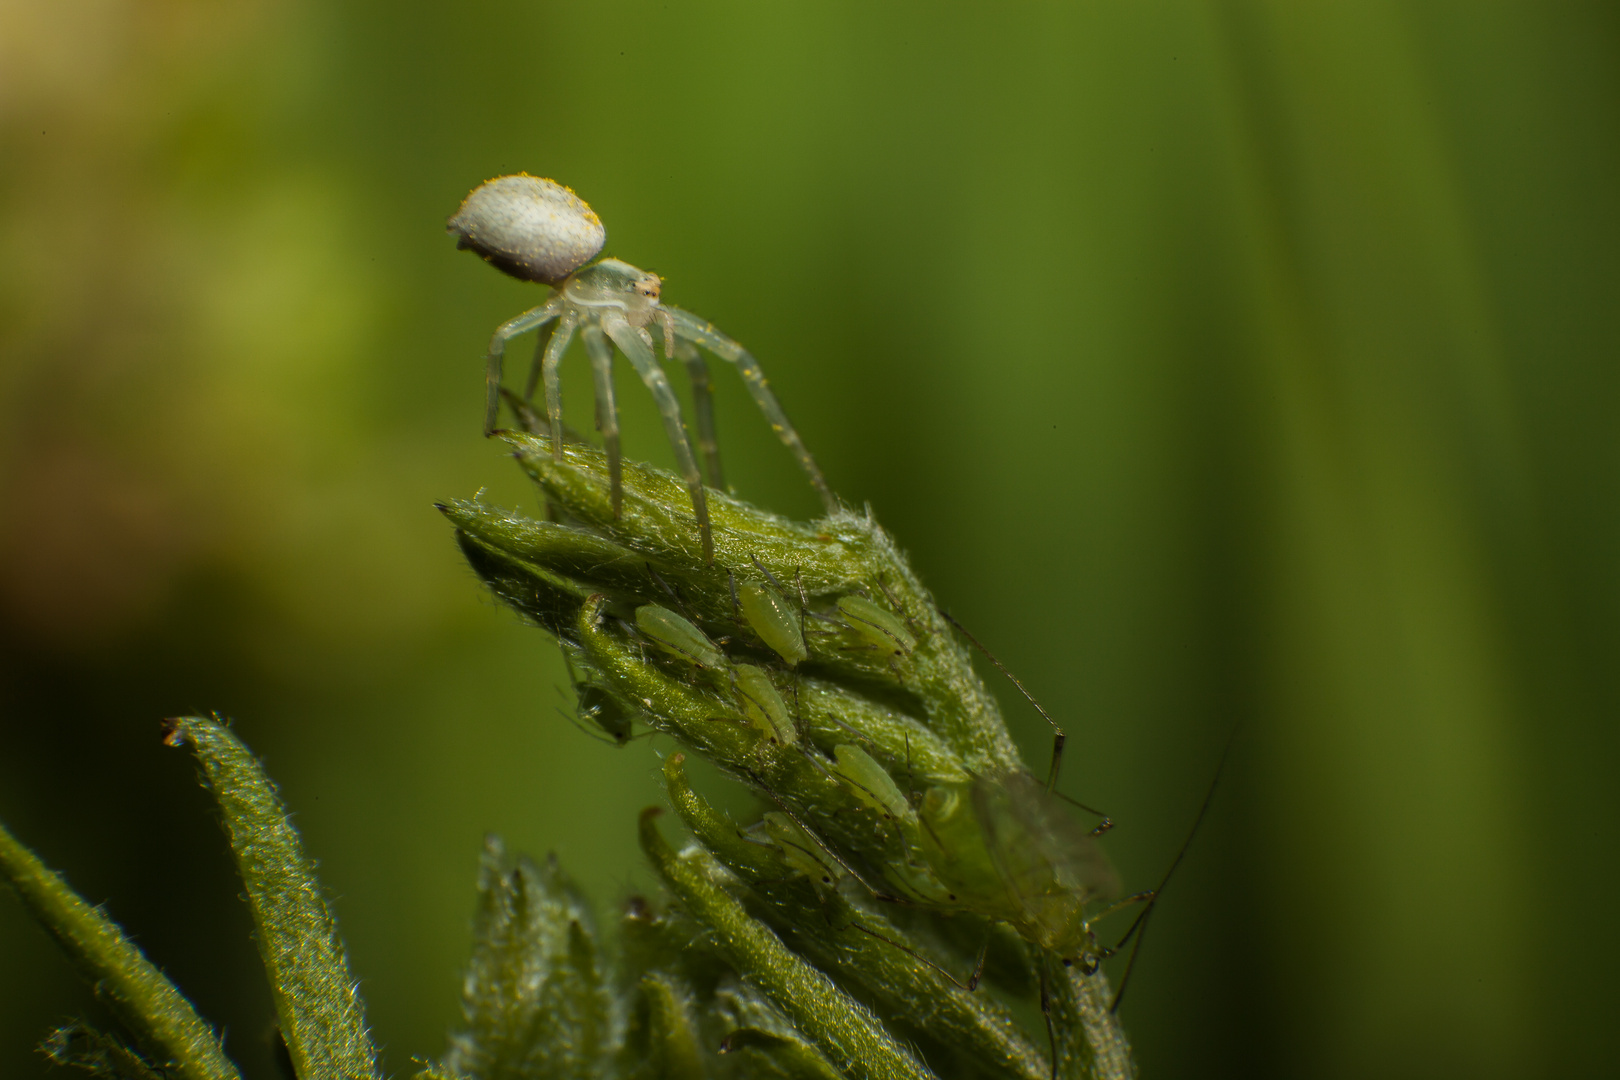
{"x": 959, "y": 845}
{"x": 537, "y": 230}
{"x": 808, "y": 662}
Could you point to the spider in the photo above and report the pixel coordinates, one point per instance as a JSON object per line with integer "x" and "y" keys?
{"x": 537, "y": 230}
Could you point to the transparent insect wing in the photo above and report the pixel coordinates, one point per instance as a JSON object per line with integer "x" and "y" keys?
{"x": 1050, "y": 865}
{"x": 534, "y": 229}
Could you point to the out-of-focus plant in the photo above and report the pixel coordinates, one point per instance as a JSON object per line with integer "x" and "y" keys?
{"x": 913, "y": 892}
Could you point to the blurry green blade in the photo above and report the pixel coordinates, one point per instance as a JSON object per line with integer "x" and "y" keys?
{"x": 147, "y": 1002}
{"x": 317, "y": 1000}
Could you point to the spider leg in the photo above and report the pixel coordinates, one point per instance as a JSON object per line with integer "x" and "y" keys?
{"x": 497, "y": 351}
{"x": 560, "y": 337}
{"x": 703, "y": 333}
{"x": 697, "y": 371}
{"x": 640, "y": 354}
{"x": 607, "y": 412}
{"x": 542, "y": 338}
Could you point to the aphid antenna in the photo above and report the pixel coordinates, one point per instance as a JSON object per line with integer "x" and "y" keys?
{"x": 973, "y": 980}
{"x": 770, "y": 577}
{"x": 673, "y": 593}
{"x": 860, "y": 736}
{"x": 1139, "y": 925}
{"x": 894, "y": 602}
{"x": 1058, "y": 735}
{"x": 839, "y": 859}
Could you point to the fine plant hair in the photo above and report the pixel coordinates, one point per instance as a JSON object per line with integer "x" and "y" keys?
{"x": 911, "y": 903}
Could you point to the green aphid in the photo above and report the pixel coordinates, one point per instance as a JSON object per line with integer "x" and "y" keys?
{"x": 801, "y": 850}
{"x": 884, "y": 630}
{"x": 598, "y": 707}
{"x": 1007, "y": 849}
{"x": 919, "y": 882}
{"x": 773, "y": 620}
{"x": 763, "y": 706}
{"x": 594, "y": 704}
{"x": 871, "y": 783}
{"x": 678, "y": 637}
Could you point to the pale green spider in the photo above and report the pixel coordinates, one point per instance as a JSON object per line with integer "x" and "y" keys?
{"x": 537, "y": 230}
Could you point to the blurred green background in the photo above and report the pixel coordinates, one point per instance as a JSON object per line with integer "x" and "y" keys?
{"x": 1220, "y": 364}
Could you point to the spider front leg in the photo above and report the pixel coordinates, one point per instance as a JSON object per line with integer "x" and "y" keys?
{"x": 607, "y": 411}
{"x": 508, "y": 330}
{"x": 639, "y": 351}
{"x": 691, "y": 328}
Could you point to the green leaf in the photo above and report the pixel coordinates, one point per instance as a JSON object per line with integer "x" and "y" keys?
{"x": 534, "y": 999}
{"x": 317, "y": 1001}
{"x": 1089, "y": 1042}
{"x": 785, "y": 1056}
{"x": 145, "y": 1001}
{"x": 839, "y": 1026}
{"x": 672, "y": 1049}
{"x": 862, "y": 948}
{"x": 81, "y": 1046}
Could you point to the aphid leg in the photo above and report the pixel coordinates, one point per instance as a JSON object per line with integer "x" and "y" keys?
{"x": 1139, "y": 925}
{"x": 1098, "y": 829}
{"x": 697, "y": 371}
{"x": 703, "y": 333}
{"x": 640, "y": 354}
{"x": 973, "y": 980}
{"x": 607, "y": 412}
{"x": 549, "y": 364}
{"x": 1046, "y": 1013}
{"x": 978, "y": 967}
{"x": 497, "y": 351}
{"x": 736, "y": 604}
{"x": 804, "y": 600}
{"x": 1058, "y": 736}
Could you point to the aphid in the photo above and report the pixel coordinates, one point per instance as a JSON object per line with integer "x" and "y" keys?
{"x": 803, "y": 852}
{"x": 872, "y": 783}
{"x": 537, "y": 230}
{"x": 764, "y": 706}
{"x": 882, "y": 629}
{"x": 1008, "y": 850}
{"x": 773, "y": 620}
{"x": 679, "y": 637}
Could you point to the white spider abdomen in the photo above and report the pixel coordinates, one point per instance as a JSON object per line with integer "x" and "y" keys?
{"x": 533, "y": 229}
